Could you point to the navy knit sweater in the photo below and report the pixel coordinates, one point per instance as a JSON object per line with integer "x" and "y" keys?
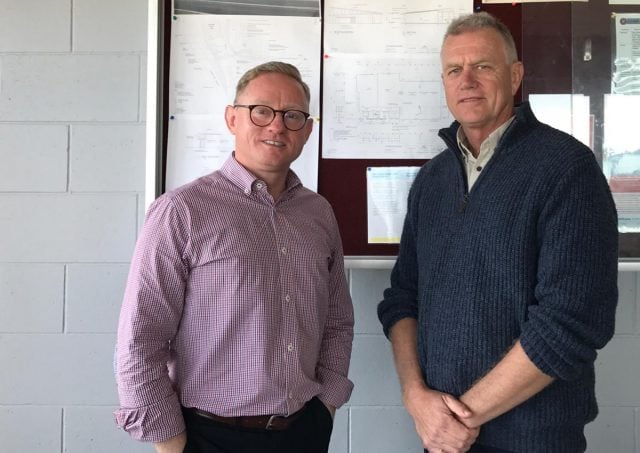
{"x": 529, "y": 253}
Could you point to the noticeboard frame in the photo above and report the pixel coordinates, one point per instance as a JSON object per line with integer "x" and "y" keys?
{"x": 343, "y": 181}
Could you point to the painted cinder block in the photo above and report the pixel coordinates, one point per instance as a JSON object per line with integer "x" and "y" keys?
{"x": 611, "y": 431}
{"x": 57, "y": 369}
{"x": 94, "y": 297}
{"x": 31, "y": 297}
{"x": 637, "y": 417}
{"x": 67, "y": 228}
{"x": 372, "y": 370}
{"x": 30, "y": 429}
{"x": 116, "y": 25}
{"x": 383, "y": 430}
{"x": 340, "y": 435}
{"x": 626, "y": 313}
{"x": 367, "y": 287}
{"x": 34, "y": 158}
{"x": 35, "y": 26}
{"x": 142, "y": 209}
{"x": 618, "y": 372}
{"x": 107, "y": 158}
{"x": 143, "y": 88}
{"x": 91, "y": 429}
{"x": 69, "y": 87}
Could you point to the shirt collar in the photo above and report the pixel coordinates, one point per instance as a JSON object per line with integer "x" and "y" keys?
{"x": 488, "y": 145}
{"x": 246, "y": 180}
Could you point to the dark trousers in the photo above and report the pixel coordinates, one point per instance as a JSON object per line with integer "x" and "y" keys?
{"x": 308, "y": 434}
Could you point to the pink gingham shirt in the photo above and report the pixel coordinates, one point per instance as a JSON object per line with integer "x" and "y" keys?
{"x": 236, "y": 304}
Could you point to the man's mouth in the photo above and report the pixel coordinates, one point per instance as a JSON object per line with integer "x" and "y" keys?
{"x": 470, "y": 99}
{"x": 274, "y": 143}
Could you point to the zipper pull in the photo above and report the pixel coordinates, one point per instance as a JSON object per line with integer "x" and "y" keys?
{"x": 464, "y": 203}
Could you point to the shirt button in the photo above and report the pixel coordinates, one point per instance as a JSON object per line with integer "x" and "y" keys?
{"x": 479, "y": 168}
{"x": 283, "y": 250}
{"x": 290, "y": 348}
{"x": 259, "y": 185}
{"x": 247, "y": 191}
{"x": 287, "y": 298}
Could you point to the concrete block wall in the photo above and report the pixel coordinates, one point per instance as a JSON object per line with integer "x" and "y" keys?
{"x": 72, "y": 99}
{"x": 72, "y": 95}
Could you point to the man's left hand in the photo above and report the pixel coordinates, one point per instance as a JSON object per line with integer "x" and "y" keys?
{"x": 330, "y": 408}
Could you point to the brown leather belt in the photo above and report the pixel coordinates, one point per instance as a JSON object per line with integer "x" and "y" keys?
{"x": 266, "y": 422}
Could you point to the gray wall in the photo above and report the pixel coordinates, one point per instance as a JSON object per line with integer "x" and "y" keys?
{"x": 71, "y": 199}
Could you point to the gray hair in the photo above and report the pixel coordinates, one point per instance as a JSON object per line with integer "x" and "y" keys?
{"x": 478, "y": 21}
{"x": 271, "y": 67}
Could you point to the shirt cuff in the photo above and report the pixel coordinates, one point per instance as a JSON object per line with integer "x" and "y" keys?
{"x": 155, "y": 423}
{"x": 336, "y": 389}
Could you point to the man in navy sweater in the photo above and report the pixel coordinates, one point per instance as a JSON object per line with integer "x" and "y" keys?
{"x": 506, "y": 280}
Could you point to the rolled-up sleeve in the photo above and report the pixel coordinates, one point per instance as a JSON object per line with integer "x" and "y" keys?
{"x": 576, "y": 291}
{"x": 335, "y": 350}
{"x": 150, "y": 315}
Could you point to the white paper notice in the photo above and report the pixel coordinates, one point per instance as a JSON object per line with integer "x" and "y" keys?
{"x": 209, "y": 53}
{"x": 383, "y": 95}
{"x": 387, "y": 191}
{"x": 626, "y": 76}
{"x": 621, "y": 157}
{"x": 568, "y": 112}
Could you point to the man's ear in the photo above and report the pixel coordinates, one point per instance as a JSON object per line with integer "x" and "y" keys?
{"x": 308, "y": 128}
{"x": 230, "y": 117}
{"x": 517, "y": 73}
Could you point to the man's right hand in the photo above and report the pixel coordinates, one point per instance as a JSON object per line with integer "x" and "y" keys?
{"x": 437, "y": 419}
{"x": 173, "y": 445}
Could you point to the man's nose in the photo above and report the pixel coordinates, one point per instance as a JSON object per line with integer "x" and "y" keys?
{"x": 468, "y": 77}
{"x": 278, "y": 121}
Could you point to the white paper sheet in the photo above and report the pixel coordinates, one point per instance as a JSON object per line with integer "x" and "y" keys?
{"x": 209, "y": 53}
{"x": 621, "y": 157}
{"x": 383, "y": 95}
{"x": 626, "y": 75}
{"x": 568, "y": 112}
{"x": 387, "y": 191}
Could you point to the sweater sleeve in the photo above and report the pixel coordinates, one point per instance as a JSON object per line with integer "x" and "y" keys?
{"x": 576, "y": 290}
{"x": 400, "y": 299}
{"x": 151, "y": 311}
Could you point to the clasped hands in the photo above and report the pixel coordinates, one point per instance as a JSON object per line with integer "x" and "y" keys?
{"x": 443, "y": 422}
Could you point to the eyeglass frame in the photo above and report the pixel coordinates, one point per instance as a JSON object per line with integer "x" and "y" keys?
{"x": 284, "y": 112}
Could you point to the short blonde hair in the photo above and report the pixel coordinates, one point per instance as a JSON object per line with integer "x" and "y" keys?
{"x": 270, "y": 67}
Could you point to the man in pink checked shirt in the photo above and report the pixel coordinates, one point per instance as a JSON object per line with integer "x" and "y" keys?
{"x": 236, "y": 327}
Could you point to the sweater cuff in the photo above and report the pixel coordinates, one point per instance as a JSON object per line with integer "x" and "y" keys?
{"x": 545, "y": 356}
{"x": 389, "y": 320}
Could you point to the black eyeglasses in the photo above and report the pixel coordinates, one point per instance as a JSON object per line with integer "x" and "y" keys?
{"x": 263, "y": 115}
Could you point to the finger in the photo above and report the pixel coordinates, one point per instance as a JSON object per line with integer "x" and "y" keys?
{"x": 457, "y": 407}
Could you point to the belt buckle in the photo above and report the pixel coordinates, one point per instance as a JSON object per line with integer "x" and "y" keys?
{"x": 271, "y": 421}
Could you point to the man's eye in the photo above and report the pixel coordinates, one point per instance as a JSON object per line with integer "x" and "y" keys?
{"x": 263, "y": 111}
{"x": 294, "y": 115}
